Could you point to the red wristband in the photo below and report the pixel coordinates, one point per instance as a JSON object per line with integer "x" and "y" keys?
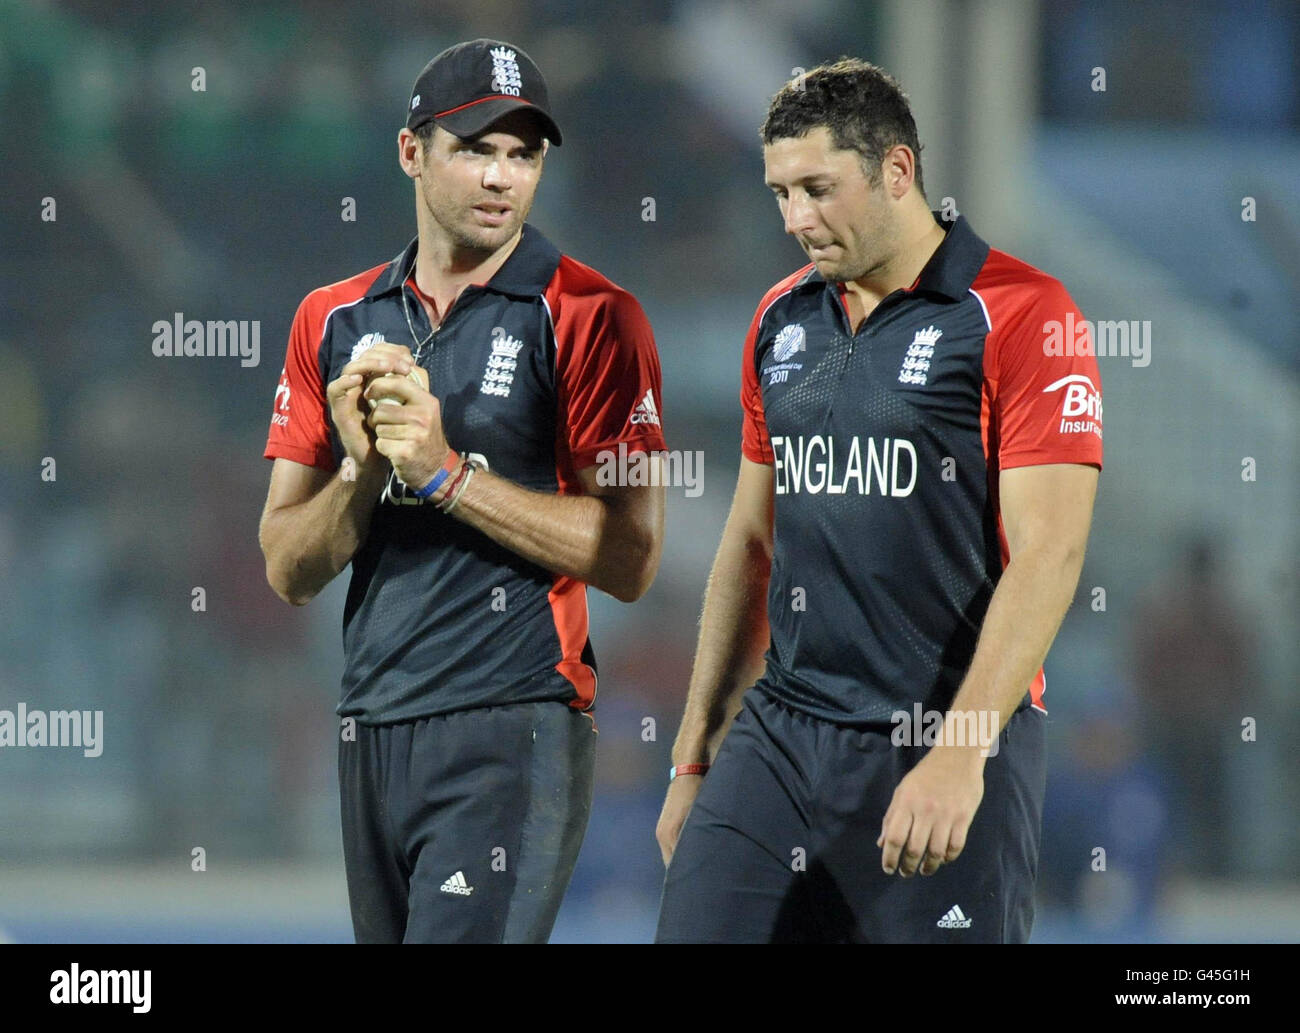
{"x": 450, "y": 493}
{"x": 686, "y": 769}
{"x": 440, "y": 478}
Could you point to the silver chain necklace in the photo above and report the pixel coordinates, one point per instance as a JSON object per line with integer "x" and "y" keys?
{"x": 406, "y": 310}
{"x": 394, "y": 489}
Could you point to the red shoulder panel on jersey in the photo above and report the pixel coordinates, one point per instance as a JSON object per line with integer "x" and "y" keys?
{"x": 754, "y": 442}
{"x": 608, "y": 382}
{"x": 1042, "y": 395}
{"x": 608, "y": 393}
{"x": 568, "y": 599}
{"x": 300, "y": 428}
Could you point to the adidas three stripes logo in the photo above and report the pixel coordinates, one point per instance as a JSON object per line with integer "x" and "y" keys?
{"x": 457, "y": 884}
{"x": 954, "y": 919}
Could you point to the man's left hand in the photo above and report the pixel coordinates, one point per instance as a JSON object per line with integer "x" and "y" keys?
{"x": 409, "y": 435}
{"x": 931, "y": 811}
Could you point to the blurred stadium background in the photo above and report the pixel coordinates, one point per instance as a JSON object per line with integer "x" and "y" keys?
{"x": 225, "y": 204}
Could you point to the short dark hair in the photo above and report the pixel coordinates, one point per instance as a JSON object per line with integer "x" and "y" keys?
{"x": 862, "y": 105}
{"x": 424, "y": 133}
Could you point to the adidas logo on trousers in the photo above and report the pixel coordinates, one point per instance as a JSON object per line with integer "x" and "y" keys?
{"x": 954, "y": 919}
{"x": 457, "y": 884}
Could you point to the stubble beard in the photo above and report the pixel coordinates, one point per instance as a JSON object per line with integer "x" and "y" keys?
{"x": 874, "y": 254}
{"x": 454, "y": 220}
{"x": 877, "y": 242}
{"x": 850, "y": 268}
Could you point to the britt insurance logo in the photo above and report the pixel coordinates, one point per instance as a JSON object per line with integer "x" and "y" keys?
{"x": 280, "y": 415}
{"x": 1080, "y": 406}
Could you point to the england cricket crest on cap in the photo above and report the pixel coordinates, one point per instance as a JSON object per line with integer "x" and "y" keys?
{"x": 365, "y": 344}
{"x": 916, "y": 363}
{"x": 789, "y": 339}
{"x": 499, "y": 373}
{"x": 505, "y": 71}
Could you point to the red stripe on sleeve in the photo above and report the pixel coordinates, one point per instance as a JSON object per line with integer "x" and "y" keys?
{"x": 300, "y": 427}
{"x": 568, "y": 599}
{"x": 755, "y": 444}
{"x": 609, "y": 386}
{"x": 1042, "y": 388}
{"x": 1039, "y": 367}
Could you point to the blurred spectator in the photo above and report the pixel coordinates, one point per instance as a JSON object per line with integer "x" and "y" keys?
{"x": 1104, "y": 823}
{"x": 1191, "y": 662}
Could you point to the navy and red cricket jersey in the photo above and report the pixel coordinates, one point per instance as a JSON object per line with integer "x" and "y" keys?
{"x": 538, "y": 371}
{"x": 886, "y": 447}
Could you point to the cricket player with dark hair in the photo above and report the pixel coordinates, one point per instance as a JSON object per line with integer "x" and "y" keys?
{"x": 439, "y": 425}
{"x": 907, "y": 532}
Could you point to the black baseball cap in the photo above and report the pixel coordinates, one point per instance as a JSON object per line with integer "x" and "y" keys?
{"x": 469, "y": 86}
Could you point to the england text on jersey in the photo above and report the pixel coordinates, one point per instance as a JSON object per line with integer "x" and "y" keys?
{"x": 886, "y": 447}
